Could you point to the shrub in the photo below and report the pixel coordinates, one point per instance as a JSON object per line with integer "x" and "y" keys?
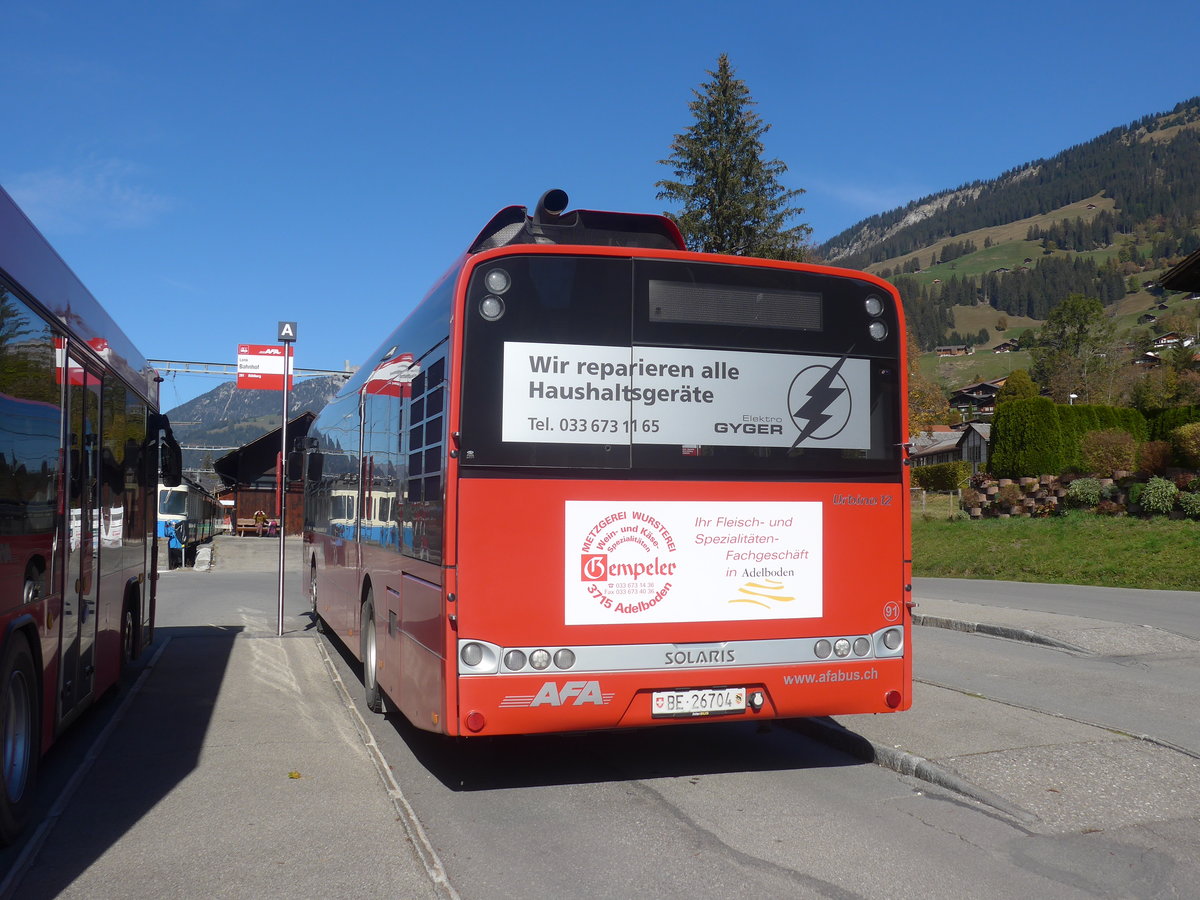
{"x": 1084, "y": 492}
{"x": 1190, "y": 504}
{"x": 943, "y": 476}
{"x": 1135, "y": 493}
{"x": 1110, "y": 508}
{"x": 972, "y": 498}
{"x": 1106, "y": 452}
{"x": 1159, "y": 496}
{"x": 1186, "y": 441}
{"x": 1154, "y": 457}
{"x": 1185, "y": 481}
{"x": 1010, "y": 495}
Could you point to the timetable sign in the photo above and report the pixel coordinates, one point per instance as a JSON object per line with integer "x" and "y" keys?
{"x": 261, "y": 367}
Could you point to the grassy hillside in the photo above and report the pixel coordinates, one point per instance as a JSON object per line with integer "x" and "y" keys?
{"x": 952, "y": 372}
{"x": 1009, "y": 248}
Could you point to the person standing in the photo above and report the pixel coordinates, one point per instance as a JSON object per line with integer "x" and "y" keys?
{"x": 174, "y": 547}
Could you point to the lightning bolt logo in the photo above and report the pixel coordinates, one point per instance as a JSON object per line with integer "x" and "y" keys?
{"x": 820, "y": 397}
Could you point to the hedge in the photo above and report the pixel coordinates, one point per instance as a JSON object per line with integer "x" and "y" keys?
{"x": 1036, "y": 437}
{"x": 1026, "y": 439}
{"x": 943, "y": 476}
{"x": 1162, "y": 422}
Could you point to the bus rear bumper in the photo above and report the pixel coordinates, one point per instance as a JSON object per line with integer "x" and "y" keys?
{"x": 525, "y": 704}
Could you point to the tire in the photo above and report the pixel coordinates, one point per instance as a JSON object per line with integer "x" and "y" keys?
{"x": 370, "y": 656}
{"x": 20, "y": 730}
{"x": 129, "y": 631}
{"x": 318, "y": 622}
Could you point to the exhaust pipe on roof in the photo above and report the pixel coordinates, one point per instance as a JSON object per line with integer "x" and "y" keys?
{"x": 551, "y": 205}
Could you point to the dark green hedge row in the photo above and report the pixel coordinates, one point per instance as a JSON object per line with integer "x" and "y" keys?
{"x": 1162, "y": 422}
{"x": 1037, "y": 437}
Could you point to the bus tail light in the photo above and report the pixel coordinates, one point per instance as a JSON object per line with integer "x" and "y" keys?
{"x": 892, "y": 699}
{"x": 475, "y": 721}
{"x": 491, "y": 307}
{"x": 472, "y": 654}
{"x": 478, "y": 658}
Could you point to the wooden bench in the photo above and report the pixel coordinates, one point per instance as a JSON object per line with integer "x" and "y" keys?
{"x": 247, "y": 526}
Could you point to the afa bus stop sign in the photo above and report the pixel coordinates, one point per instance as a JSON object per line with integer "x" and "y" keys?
{"x": 261, "y": 367}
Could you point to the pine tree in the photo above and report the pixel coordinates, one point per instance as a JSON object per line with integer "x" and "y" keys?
{"x": 730, "y": 197}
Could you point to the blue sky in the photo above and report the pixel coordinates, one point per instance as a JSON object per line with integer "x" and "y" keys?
{"x": 212, "y": 167}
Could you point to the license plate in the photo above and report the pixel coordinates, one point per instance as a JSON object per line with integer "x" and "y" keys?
{"x": 703, "y": 702}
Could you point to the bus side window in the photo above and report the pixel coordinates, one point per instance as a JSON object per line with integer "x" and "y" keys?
{"x": 422, "y": 532}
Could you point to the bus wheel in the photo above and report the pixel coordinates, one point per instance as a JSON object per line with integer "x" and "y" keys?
{"x": 318, "y": 622}
{"x": 19, "y": 730}
{"x": 129, "y": 642}
{"x": 370, "y": 656}
{"x": 34, "y": 582}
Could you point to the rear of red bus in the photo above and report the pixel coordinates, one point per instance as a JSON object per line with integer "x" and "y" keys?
{"x": 675, "y": 491}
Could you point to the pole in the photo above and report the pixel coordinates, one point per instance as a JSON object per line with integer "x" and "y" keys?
{"x": 283, "y": 453}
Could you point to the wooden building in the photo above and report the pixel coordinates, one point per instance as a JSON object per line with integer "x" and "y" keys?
{"x": 250, "y": 477}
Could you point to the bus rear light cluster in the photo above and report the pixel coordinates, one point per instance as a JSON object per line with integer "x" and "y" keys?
{"x": 878, "y": 329}
{"x": 497, "y": 281}
{"x": 516, "y": 660}
{"x": 886, "y": 643}
{"x": 482, "y": 658}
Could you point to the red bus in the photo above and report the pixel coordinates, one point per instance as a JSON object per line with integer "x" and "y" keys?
{"x": 79, "y": 459}
{"x": 595, "y": 480}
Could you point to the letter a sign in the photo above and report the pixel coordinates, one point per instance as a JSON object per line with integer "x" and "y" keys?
{"x": 287, "y": 332}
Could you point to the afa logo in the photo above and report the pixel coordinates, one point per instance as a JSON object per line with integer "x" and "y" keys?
{"x": 572, "y": 693}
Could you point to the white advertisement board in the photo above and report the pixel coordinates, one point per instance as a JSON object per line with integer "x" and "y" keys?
{"x": 678, "y": 561}
{"x": 586, "y": 394}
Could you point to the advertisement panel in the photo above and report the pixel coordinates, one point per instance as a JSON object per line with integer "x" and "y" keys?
{"x": 587, "y": 394}
{"x": 683, "y": 561}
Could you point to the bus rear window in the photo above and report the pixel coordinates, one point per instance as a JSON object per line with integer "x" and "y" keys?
{"x": 675, "y": 369}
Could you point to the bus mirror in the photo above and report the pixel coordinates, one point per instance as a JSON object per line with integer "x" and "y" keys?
{"x": 295, "y": 465}
{"x": 171, "y": 462}
{"x": 316, "y": 465}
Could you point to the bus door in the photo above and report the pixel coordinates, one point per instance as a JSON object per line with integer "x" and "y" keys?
{"x": 81, "y": 583}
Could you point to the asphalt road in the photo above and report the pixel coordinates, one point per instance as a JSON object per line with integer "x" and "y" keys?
{"x": 1052, "y": 793}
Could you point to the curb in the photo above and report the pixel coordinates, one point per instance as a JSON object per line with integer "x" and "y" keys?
{"x": 1024, "y": 635}
{"x": 829, "y": 732}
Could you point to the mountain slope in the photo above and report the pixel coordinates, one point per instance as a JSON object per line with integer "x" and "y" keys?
{"x": 228, "y": 417}
{"x": 1146, "y": 168}
{"x": 1103, "y": 219}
